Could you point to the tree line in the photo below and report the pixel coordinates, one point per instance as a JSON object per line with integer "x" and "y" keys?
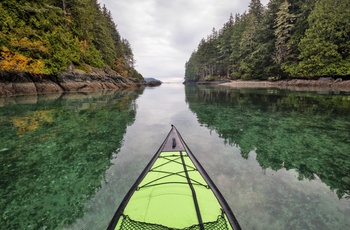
{"x": 286, "y": 39}
{"x": 46, "y": 36}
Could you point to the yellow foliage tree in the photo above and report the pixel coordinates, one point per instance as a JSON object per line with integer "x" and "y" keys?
{"x": 83, "y": 47}
{"x": 121, "y": 67}
{"x": 18, "y": 62}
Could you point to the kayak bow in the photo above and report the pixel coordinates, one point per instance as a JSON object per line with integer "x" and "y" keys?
{"x": 174, "y": 192}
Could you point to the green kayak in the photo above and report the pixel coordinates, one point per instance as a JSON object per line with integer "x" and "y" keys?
{"x": 174, "y": 192}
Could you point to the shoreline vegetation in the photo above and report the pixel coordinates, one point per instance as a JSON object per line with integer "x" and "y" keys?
{"x": 52, "y": 46}
{"x": 285, "y": 40}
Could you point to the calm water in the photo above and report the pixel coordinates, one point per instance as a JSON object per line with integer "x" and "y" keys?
{"x": 281, "y": 158}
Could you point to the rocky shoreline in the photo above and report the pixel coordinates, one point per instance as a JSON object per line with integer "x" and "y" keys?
{"x": 323, "y": 84}
{"x": 73, "y": 80}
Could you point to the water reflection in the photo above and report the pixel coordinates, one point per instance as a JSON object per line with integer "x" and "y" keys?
{"x": 305, "y": 132}
{"x": 54, "y": 152}
{"x": 58, "y": 175}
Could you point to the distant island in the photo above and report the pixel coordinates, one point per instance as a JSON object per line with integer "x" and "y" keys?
{"x": 152, "y": 81}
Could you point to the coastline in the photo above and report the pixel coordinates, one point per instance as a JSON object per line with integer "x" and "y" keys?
{"x": 326, "y": 84}
{"x": 21, "y": 83}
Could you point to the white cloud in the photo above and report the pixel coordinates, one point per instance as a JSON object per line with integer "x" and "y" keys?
{"x": 163, "y": 33}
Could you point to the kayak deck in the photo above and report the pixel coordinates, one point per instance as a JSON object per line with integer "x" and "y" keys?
{"x": 172, "y": 193}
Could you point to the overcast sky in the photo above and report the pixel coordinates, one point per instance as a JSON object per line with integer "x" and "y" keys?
{"x": 164, "y": 33}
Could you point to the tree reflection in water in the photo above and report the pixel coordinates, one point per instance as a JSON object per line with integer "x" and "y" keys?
{"x": 307, "y": 132}
{"x": 55, "y": 152}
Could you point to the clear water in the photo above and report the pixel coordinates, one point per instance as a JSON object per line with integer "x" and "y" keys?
{"x": 280, "y": 158}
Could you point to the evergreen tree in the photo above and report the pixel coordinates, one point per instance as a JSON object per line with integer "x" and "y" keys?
{"x": 102, "y": 37}
{"x": 283, "y": 31}
{"x": 301, "y": 9}
{"x": 249, "y": 42}
{"x": 325, "y": 48}
{"x": 236, "y": 37}
{"x": 191, "y": 69}
{"x": 256, "y": 9}
{"x": 224, "y": 48}
{"x": 207, "y": 57}
{"x": 268, "y": 40}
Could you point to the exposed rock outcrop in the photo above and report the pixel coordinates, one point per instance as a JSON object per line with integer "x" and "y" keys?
{"x": 72, "y": 80}
{"x": 153, "y": 82}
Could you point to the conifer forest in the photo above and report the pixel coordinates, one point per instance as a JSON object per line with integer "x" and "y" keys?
{"x": 46, "y": 36}
{"x": 286, "y": 39}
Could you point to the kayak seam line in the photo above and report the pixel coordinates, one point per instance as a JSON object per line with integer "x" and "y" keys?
{"x": 194, "y": 196}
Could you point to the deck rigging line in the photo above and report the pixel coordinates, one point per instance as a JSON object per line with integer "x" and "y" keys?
{"x": 194, "y": 196}
{"x": 169, "y": 174}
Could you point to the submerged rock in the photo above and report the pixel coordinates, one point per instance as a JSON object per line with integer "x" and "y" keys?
{"x": 4, "y": 150}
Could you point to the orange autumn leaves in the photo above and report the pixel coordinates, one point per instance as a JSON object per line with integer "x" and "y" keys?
{"x": 32, "y": 122}
{"x": 27, "y": 56}
{"x": 21, "y": 58}
{"x": 19, "y": 62}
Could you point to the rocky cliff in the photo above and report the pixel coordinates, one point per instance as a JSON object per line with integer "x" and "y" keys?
{"x": 72, "y": 80}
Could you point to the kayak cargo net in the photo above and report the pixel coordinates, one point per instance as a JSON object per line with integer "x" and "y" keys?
{"x": 129, "y": 224}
